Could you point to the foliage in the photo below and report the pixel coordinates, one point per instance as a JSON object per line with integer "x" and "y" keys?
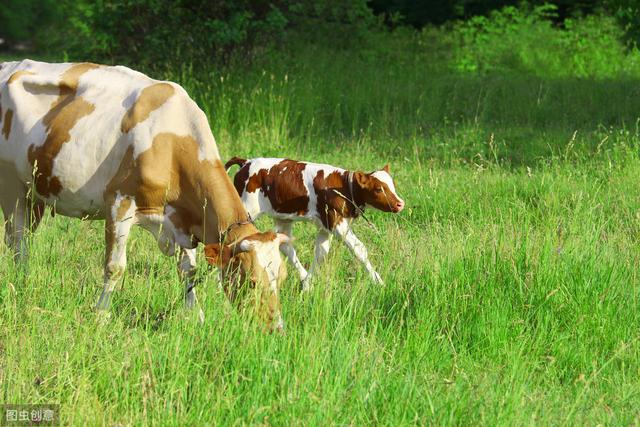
{"x": 526, "y": 40}
{"x": 146, "y": 32}
{"x": 28, "y": 21}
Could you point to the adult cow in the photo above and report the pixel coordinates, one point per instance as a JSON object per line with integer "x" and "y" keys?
{"x": 111, "y": 143}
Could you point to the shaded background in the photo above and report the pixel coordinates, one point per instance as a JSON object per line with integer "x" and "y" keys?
{"x": 144, "y": 32}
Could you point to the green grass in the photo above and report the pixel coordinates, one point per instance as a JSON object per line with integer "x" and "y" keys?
{"x": 512, "y": 286}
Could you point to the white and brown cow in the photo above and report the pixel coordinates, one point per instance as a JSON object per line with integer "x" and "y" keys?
{"x": 289, "y": 190}
{"x": 110, "y": 143}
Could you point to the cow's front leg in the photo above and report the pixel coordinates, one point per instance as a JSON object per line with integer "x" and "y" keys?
{"x": 120, "y": 218}
{"x": 343, "y": 230}
{"x": 323, "y": 244}
{"x": 187, "y": 272}
{"x": 284, "y": 226}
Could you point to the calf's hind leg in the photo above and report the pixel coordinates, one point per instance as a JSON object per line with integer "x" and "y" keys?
{"x": 284, "y": 226}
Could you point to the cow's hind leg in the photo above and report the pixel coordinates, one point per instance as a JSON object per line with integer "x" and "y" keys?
{"x": 284, "y": 226}
{"x": 21, "y": 214}
{"x": 119, "y": 220}
{"x": 187, "y": 271}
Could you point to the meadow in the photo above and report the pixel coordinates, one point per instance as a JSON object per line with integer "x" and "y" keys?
{"x": 512, "y": 287}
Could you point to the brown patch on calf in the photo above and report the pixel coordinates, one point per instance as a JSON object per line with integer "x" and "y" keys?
{"x": 331, "y": 206}
{"x": 16, "y": 76}
{"x": 65, "y": 112}
{"x": 151, "y": 98}
{"x": 6, "y": 126}
{"x": 240, "y": 180}
{"x": 373, "y": 192}
{"x": 283, "y": 184}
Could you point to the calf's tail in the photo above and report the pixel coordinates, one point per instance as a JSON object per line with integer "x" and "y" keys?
{"x": 235, "y": 161}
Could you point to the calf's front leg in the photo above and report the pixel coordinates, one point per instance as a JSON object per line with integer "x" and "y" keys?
{"x": 357, "y": 248}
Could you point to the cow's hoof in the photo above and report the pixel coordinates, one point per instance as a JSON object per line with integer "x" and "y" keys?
{"x": 103, "y": 317}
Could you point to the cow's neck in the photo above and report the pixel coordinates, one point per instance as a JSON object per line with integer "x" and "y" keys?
{"x": 226, "y": 220}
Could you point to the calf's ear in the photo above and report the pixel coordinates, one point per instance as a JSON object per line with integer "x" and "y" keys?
{"x": 386, "y": 168}
{"x": 360, "y": 178}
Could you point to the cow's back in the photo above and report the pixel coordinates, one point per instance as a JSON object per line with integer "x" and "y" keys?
{"x": 71, "y": 125}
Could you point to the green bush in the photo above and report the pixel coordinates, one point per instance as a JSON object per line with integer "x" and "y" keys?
{"x": 526, "y": 40}
{"x": 151, "y": 32}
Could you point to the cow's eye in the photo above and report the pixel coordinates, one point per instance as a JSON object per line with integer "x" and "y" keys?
{"x": 378, "y": 190}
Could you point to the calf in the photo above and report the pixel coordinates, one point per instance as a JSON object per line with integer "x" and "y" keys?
{"x": 289, "y": 190}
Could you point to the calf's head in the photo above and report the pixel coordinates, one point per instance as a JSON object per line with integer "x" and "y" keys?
{"x": 255, "y": 259}
{"x": 377, "y": 190}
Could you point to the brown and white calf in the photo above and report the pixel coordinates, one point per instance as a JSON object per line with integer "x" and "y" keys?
{"x": 289, "y": 190}
{"x": 110, "y": 143}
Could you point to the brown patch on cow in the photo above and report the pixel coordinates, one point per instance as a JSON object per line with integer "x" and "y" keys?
{"x": 65, "y": 112}
{"x": 59, "y": 122}
{"x": 16, "y": 76}
{"x": 170, "y": 173}
{"x": 123, "y": 208}
{"x": 267, "y": 236}
{"x": 283, "y": 184}
{"x": 6, "y": 126}
{"x": 71, "y": 77}
{"x": 331, "y": 205}
{"x": 151, "y": 98}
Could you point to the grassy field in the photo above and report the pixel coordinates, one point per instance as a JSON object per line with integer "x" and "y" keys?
{"x": 512, "y": 277}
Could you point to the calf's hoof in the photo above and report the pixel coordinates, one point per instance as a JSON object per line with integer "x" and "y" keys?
{"x": 377, "y": 279}
{"x": 305, "y": 284}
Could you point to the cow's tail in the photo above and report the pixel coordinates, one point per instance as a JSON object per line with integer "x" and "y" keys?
{"x": 235, "y": 161}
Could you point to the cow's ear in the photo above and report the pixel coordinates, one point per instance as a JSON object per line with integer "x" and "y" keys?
{"x": 386, "y": 168}
{"x": 282, "y": 238}
{"x": 217, "y": 254}
{"x": 244, "y": 246}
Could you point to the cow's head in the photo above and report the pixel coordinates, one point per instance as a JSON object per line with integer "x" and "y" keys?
{"x": 377, "y": 190}
{"x": 255, "y": 260}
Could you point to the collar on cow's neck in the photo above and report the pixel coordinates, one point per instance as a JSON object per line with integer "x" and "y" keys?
{"x": 232, "y": 226}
